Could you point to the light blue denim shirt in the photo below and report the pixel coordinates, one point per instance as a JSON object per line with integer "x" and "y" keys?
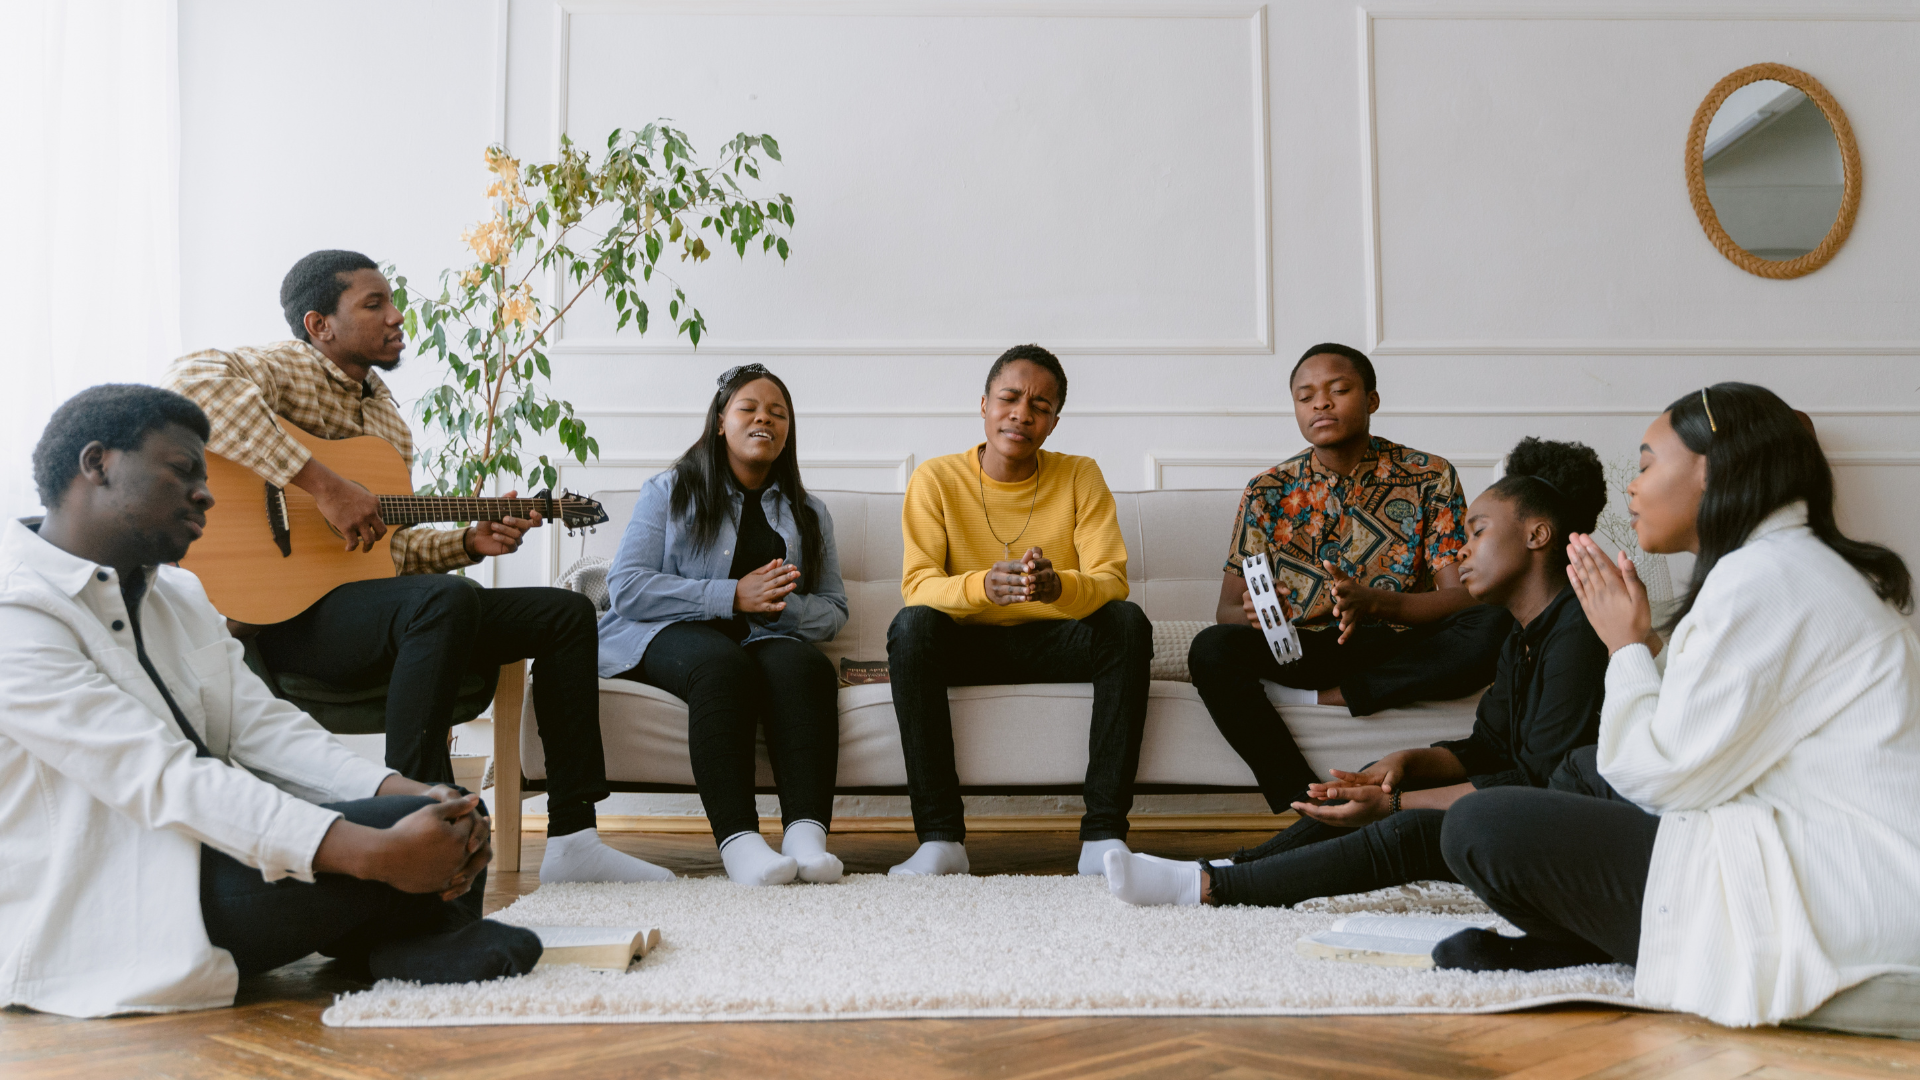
{"x": 660, "y": 576}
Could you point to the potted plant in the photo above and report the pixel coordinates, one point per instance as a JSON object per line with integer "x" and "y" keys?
{"x": 591, "y": 229}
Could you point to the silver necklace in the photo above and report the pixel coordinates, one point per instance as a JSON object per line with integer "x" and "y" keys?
{"x": 1006, "y": 546}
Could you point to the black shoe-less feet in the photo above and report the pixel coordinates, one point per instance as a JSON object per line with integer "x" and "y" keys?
{"x": 1484, "y": 950}
{"x": 481, "y": 950}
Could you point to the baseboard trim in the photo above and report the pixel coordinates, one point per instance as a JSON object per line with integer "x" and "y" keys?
{"x": 696, "y": 823}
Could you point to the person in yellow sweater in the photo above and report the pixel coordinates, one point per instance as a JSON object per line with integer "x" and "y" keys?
{"x": 1015, "y": 572}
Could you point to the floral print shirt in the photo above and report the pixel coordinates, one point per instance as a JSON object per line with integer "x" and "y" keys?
{"x": 1392, "y": 524}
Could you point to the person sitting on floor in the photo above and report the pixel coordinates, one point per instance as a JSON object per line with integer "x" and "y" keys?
{"x": 979, "y": 614}
{"x": 725, "y": 578}
{"x": 167, "y": 824}
{"x": 421, "y": 630}
{"x": 1381, "y": 826}
{"x": 1363, "y": 536}
{"x": 1747, "y": 830}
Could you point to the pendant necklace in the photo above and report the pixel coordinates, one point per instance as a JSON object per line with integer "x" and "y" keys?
{"x": 1006, "y": 545}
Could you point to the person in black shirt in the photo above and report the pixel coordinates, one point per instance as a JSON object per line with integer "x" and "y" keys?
{"x": 1380, "y": 826}
{"x": 725, "y": 579}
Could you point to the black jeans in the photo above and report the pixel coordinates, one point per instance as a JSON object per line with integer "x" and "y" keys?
{"x": 1379, "y": 668}
{"x": 1567, "y": 865}
{"x": 419, "y": 633}
{"x": 730, "y": 689}
{"x": 928, "y": 651}
{"x": 1311, "y": 858}
{"x": 368, "y": 924}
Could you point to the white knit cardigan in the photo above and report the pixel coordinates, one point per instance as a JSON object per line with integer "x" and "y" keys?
{"x": 1778, "y": 738}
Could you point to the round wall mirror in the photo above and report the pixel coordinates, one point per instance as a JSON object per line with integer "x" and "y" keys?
{"x": 1773, "y": 171}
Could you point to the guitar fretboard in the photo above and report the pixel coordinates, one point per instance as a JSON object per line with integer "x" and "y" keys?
{"x": 399, "y": 510}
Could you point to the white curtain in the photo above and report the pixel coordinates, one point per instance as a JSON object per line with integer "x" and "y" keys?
{"x": 89, "y": 278}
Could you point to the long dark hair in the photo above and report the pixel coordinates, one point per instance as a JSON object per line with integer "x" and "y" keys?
{"x": 1761, "y": 457}
{"x": 701, "y": 475}
{"x": 1560, "y": 481}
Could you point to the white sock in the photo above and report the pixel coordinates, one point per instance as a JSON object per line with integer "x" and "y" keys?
{"x": 1146, "y": 881}
{"x": 1293, "y": 695}
{"x": 935, "y": 857}
{"x": 1093, "y": 854}
{"x": 805, "y": 842}
{"x": 583, "y": 856}
{"x": 749, "y": 861}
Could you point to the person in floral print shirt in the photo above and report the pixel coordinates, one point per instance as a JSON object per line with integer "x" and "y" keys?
{"x": 1363, "y": 535}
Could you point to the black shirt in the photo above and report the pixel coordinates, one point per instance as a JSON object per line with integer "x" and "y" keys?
{"x": 756, "y": 545}
{"x": 1544, "y": 701}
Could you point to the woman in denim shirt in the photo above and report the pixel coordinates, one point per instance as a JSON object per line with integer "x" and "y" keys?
{"x": 725, "y": 577}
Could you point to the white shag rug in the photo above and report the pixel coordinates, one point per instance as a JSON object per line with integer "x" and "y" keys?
{"x": 876, "y": 947}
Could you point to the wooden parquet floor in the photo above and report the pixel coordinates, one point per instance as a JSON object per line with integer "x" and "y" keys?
{"x": 274, "y": 1030}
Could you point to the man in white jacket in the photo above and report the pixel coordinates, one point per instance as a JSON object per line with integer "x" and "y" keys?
{"x": 166, "y": 824}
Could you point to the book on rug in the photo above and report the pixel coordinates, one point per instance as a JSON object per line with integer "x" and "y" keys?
{"x": 1388, "y": 940}
{"x": 610, "y": 948}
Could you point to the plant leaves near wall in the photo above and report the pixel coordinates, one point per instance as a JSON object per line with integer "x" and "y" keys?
{"x": 561, "y": 231}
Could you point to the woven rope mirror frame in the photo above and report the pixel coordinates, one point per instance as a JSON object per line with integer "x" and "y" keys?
{"x": 1849, "y": 163}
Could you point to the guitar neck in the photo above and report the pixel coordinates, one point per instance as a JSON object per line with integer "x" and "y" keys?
{"x": 402, "y": 510}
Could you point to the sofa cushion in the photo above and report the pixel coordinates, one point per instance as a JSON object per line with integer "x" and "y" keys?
{"x": 1032, "y": 735}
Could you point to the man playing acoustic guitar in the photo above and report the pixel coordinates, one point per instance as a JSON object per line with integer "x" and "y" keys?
{"x": 423, "y": 629}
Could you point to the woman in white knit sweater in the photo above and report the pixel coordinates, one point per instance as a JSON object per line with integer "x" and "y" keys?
{"x": 1754, "y": 846}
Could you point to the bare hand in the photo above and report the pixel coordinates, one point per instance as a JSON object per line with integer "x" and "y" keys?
{"x": 1385, "y": 774}
{"x": 496, "y": 538}
{"x": 1610, "y": 593}
{"x": 764, "y": 591}
{"x": 1364, "y": 805}
{"x": 1008, "y": 583}
{"x": 432, "y": 849}
{"x": 479, "y": 844}
{"x": 1045, "y": 587}
{"x": 1253, "y": 613}
{"x": 352, "y": 510}
{"x": 1353, "y": 603}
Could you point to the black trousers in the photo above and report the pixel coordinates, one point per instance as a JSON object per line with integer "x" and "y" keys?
{"x": 928, "y": 651}
{"x": 1378, "y": 668}
{"x": 1567, "y": 864}
{"x": 370, "y": 925}
{"x": 731, "y": 691}
{"x": 419, "y": 633}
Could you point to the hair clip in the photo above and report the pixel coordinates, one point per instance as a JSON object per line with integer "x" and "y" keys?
{"x": 738, "y": 370}
{"x": 1711, "y": 426}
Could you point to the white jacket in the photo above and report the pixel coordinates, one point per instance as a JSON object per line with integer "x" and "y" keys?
{"x": 103, "y": 805}
{"x": 1781, "y": 750}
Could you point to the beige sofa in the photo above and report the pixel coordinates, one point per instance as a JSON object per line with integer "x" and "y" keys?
{"x": 1008, "y": 739}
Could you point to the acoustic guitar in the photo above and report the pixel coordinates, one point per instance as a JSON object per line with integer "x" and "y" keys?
{"x": 268, "y": 553}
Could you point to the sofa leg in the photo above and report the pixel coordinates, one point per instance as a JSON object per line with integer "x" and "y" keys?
{"x": 507, "y": 702}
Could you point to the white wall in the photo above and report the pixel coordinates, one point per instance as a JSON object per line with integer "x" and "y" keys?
{"x": 1178, "y": 197}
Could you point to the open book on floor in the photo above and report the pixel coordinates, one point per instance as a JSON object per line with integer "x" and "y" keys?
{"x": 611, "y": 948}
{"x": 1388, "y": 940}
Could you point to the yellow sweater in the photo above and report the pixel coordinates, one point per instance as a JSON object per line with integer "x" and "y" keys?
{"x": 950, "y": 549}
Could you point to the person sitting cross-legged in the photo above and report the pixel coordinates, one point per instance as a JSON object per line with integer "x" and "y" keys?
{"x": 1363, "y": 536}
{"x": 1015, "y": 572}
{"x": 1380, "y": 826}
{"x": 166, "y": 823}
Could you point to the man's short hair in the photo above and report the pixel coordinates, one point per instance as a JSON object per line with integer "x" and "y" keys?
{"x": 1354, "y": 356}
{"x": 315, "y": 284}
{"x": 1032, "y": 354}
{"x": 121, "y": 415}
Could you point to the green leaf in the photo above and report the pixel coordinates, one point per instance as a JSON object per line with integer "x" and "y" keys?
{"x": 782, "y": 246}
{"x": 772, "y": 148}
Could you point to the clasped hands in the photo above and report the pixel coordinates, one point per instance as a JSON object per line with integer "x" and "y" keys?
{"x": 1030, "y": 577}
{"x": 763, "y": 591}
{"x": 439, "y": 848}
{"x": 1611, "y": 594}
{"x": 1354, "y": 799}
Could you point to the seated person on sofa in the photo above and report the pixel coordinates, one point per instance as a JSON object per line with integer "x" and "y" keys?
{"x": 1363, "y": 534}
{"x": 420, "y": 631}
{"x": 1015, "y": 572}
{"x": 166, "y": 823}
{"x": 725, "y": 577}
{"x": 1747, "y": 832}
{"x": 1381, "y": 826}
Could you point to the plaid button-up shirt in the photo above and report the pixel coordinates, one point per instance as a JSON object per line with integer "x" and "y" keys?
{"x": 243, "y": 389}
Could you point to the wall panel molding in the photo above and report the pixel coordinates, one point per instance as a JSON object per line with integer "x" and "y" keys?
{"x": 1253, "y": 14}
{"x": 1251, "y": 463}
{"x": 1380, "y": 344}
{"x": 1147, "y": 411}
